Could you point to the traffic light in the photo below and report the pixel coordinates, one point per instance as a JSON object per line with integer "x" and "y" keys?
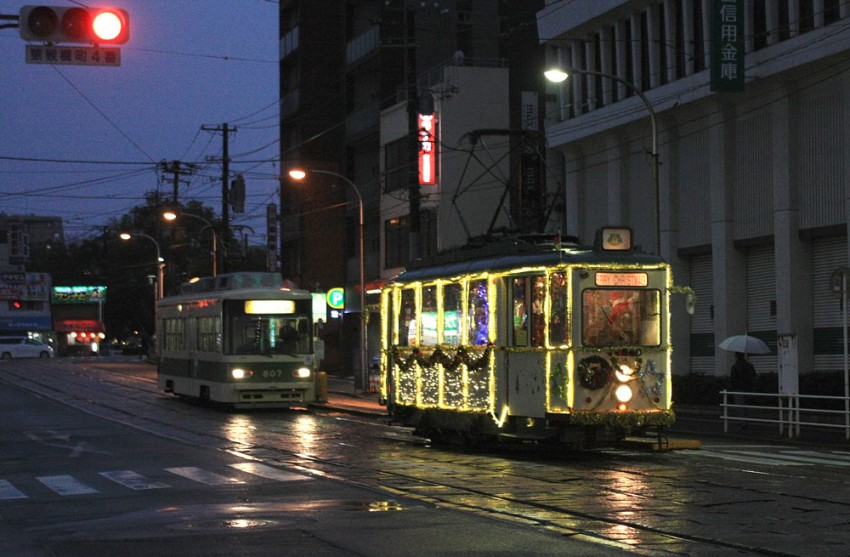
{"x": 59, "y": 24}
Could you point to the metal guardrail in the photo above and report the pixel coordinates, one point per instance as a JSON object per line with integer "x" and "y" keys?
{"x": 789, "y": 414}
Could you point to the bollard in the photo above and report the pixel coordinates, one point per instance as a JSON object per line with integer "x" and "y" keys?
{"x": 321, "y": 386}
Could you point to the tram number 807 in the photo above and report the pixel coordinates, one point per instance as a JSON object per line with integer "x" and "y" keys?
{"x": 272, "y": 373}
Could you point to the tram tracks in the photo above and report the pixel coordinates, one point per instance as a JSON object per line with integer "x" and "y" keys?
{"x": 635, "y": 506}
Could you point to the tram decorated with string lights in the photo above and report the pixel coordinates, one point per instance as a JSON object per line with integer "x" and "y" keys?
{"x": 529, "y": 341}
{"x": 243, "y": 340}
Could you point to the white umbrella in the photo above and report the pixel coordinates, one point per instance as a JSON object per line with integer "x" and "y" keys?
{"x": 744, "y": 344}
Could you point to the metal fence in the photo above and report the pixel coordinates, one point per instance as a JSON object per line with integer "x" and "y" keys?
{"x": 786, "y": 411}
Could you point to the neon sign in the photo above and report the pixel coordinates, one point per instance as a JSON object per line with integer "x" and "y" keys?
{"x": 427, "y": 152}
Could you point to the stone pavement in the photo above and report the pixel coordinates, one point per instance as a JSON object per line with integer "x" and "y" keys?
{"x": 342, "y": 396}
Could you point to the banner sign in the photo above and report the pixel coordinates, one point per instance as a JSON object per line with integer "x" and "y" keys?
{"x": 727, "y": 45}
{"x": 427, "y": 151}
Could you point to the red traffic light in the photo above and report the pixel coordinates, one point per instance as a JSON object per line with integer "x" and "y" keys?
{"x": 59, "y": 24}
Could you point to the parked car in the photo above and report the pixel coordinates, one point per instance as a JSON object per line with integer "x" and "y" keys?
{"x": 23, "y": 347}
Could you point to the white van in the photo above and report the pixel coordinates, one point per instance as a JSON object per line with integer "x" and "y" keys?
{"x": 23, "y": 347}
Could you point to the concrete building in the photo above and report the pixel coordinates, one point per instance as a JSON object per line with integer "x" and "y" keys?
{"x": 753, "y": 184}
{"x": 341, "y": 64}
{"x": 25, "y": 297}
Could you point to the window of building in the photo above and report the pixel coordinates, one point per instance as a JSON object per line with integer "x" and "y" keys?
{"x": 396, "y": 164}
{"x": 396, "y": 243}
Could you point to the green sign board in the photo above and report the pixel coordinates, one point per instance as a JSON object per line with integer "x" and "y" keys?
{"x": 727, "y": 45}
{"x": 336, "y": 298}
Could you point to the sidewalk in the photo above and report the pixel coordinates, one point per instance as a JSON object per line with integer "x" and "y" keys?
{"x": 342, "y": 396}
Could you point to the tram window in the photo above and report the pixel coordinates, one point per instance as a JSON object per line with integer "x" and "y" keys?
{"x": 429, "y": 316}
{"x": 558, "y": 312}
{"x": 478, "y": 310}
{"x": 407, "y": 318}
{"x": 621, "y": 317}
{"x": 267, "y": 334}
{"x": 209, "y": 334}
{"x": 452, "y": 308}
{"x": 174, "y": 338}
{"x": 529, "y": 294}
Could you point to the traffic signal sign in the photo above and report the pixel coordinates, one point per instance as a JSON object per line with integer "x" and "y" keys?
{"x": 59, "y": 24}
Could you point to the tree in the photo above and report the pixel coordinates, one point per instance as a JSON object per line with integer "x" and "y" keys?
{"x": 128, "y": 268}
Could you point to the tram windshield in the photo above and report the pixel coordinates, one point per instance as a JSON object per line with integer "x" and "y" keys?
{"x": 621, "y": 317}
{"x": 267, "y": 334}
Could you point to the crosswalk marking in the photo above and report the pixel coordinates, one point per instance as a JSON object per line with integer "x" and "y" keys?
{"x": 268, "y": 472}
{"x": 66, "y": 485}
{"x": 203, "y": 476}
{"x": 741, "y": 458}
{"x": 8, "y": 491}
{"x": 133, "y": 480}
{"x": 773, "y": 456}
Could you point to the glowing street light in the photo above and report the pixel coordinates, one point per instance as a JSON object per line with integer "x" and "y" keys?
{"x": 299, "y": 174}
{"x": 557, "y": 75}
{"x": 160, "y": 262}
{"x": 172, "y": 216}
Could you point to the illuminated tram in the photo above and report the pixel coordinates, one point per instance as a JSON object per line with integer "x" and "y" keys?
{"x": 531, "y": 342}
{"x": 240, "y": 339}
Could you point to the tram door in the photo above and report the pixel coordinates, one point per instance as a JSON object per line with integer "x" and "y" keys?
{"x": 525, "y": 359}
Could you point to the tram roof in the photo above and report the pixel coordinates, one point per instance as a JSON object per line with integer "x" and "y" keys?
{"x": 521, "y": 255}
{"x": 237, "y": 286}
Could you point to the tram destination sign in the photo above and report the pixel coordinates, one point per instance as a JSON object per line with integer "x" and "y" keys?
{"x": 66, "y": 55}
{"x": 622, "y": 279}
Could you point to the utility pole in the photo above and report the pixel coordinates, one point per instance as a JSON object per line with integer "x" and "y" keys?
{"x": 413, "y": 192}
{"x": 178, "y": 169}
{"x": 225, "y": 183}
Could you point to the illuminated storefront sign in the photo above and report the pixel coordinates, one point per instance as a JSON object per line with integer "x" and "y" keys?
{"x": 78, "y": 294}
{"x": 427, "y": 151}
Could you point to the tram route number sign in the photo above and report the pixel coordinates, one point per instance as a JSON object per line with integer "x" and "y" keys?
{"x": 65, "y": 55}
{"x": 838, "y": 280}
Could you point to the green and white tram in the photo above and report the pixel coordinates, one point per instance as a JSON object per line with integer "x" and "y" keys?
{"x": 240, "y": 339}
{"x": 531, "y": 342}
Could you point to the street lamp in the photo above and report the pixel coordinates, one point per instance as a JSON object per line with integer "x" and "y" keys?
{"x": 299, "y": 174}
{"x": 556, "y": 75}
{"x": 160, "y": 290}
{"x": 172, "y": 216}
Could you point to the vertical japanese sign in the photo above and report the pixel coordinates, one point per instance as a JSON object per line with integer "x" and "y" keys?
{"x": 727, "y": 45}
{"x": 427, "y": 151}
{"x": 271, "y": 237}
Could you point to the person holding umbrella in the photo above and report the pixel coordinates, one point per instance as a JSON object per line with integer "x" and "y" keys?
{"x": 742, "y": 377}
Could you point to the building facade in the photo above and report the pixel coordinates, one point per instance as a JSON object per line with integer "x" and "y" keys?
{"x": 341, "y": 65}
{"x": 753, "y": 184}
{"x": 25, "y": 297}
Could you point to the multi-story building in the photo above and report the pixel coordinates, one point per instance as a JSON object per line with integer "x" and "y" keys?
{"x": 342, "y": 64}
{"x": 25, "y": 297}
{"x": 752, "y": 136}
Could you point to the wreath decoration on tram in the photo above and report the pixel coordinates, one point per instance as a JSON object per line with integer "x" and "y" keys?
{"x": 594, "y": 372}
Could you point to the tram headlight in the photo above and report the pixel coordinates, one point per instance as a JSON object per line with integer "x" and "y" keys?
{"x": 302, "y": 372}
{"x": 624, "y": 373}
{"x": 623, "y": 393}
{"x": 238, "y": 373}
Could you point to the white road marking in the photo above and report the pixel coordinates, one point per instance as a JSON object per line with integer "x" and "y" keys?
{"x": 66, "y": 485}
{"x": 134, "y": 481}
{"x": 268, "y": 472}
{"x": 203, "y": 476}
{"x": 8, "y": 491}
